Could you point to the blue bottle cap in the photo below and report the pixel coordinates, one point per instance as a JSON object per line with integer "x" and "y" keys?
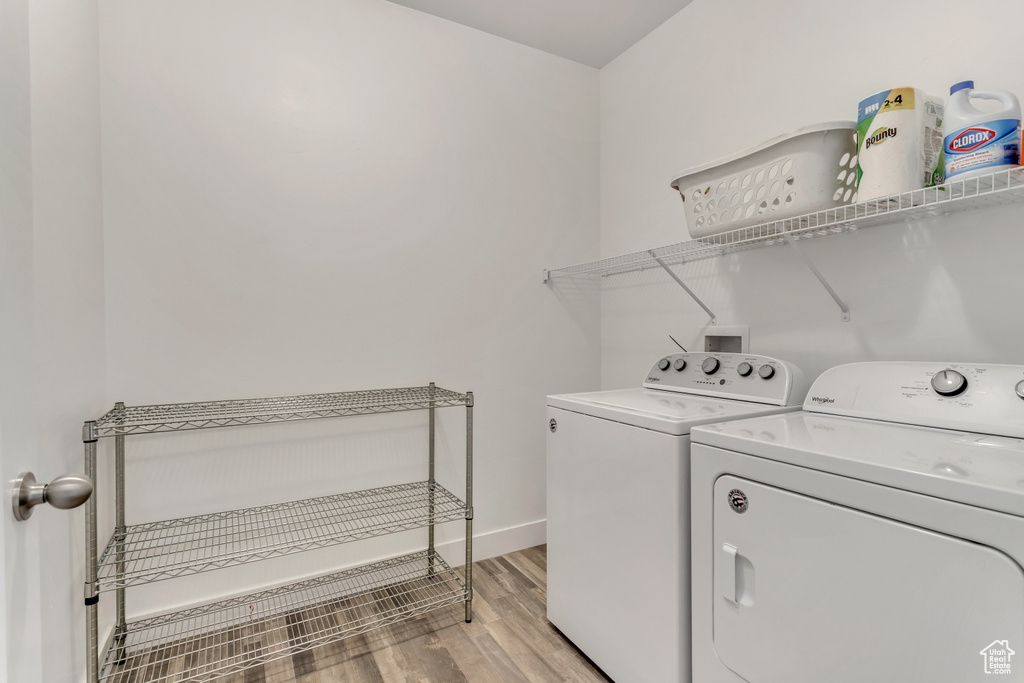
{"x": 961, "y": 85}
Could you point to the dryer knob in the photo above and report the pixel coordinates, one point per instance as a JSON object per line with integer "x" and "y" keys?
{"x": 710, "y": 366}
{"x": 948, "y": 382}
{"x": 766, "y": 371}
{"x": 1020, "y": 388}
{"x": 679, "y": 365}
{"x": 745, "y": 369}
{"x": 664, "y": 364}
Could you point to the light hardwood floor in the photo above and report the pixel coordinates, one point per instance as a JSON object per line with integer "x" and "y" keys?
{"x": 509, "y": 640}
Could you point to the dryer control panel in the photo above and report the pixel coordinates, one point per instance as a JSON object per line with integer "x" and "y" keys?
{"x": 988, "y": 399}
{"x": 742, "y": 376}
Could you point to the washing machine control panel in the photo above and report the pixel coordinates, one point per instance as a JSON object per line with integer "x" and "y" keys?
{"x": 972, "y": 397}
{"x": 729, "y": 375}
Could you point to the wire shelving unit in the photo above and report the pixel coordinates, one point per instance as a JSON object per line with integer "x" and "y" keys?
{"x": 207, "y": 642}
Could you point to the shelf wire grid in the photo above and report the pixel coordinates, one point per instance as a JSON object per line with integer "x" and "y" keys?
{"x": 155, "y": 551}
{"x": 1002, "y": 187}
{"x": 176, "y": 417}
{"x": 208, "y": 642}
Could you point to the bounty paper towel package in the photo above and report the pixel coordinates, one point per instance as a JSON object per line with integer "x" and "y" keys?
{"x": 899, "y": 143}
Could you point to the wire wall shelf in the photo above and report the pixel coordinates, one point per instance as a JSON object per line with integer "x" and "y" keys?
{"x": 177, "y": 417}
{"x": 212, "y": 641}
{"x": 145, "y": 553}
{"x": 1002, "y": 187}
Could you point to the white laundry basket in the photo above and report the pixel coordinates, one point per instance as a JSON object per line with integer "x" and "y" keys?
{"x": 810, "y": 169}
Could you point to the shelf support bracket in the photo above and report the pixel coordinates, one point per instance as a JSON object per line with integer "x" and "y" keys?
{"x": 843, "y": 308}
{"x": 683, "y": 285}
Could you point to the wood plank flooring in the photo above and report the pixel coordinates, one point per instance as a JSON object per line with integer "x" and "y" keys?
{"x": 509, "y": 640}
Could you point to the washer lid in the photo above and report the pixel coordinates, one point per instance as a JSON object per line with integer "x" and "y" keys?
{"x": 977, "y": 469}
{"x": 661, "y": 411}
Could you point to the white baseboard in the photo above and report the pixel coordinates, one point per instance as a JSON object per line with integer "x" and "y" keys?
{"x": 495, "y": 543}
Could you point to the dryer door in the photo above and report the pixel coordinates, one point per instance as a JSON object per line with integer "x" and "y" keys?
{"x": 808, "y": 591}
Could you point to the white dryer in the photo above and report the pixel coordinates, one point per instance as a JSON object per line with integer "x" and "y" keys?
{"x": 618, "y": 504}
{"x": 876, "y": 536}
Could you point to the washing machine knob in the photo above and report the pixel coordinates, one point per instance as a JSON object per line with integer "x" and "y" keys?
{"x": 948, "y": 382}
{"x": 664, "y": 364}
{"x": 766, "y": 371}
{"x": 710, "y": 366}
{"x": 1020, "y": 388}
{"x": 679, "y": 365}
{"x": 745, "y": 369}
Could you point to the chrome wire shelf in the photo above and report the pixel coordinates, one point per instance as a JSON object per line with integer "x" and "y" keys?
{"x": 1003, "y": 187}
{"x": 155, "y": 551}
{"x": 208, "y": 642}
{"x": 177, "y": 417}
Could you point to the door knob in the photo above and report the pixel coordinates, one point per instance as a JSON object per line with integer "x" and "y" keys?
{"x": 65, "y": 492}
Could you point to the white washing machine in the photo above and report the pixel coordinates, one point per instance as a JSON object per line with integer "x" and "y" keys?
{"x": 618, "y": 504}
{"x": 876, "y": 536}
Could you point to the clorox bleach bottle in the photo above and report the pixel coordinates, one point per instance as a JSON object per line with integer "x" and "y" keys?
{"x": 979, "y": 143}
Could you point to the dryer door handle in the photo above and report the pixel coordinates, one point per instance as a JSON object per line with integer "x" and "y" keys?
{"x": 725, "y": 572}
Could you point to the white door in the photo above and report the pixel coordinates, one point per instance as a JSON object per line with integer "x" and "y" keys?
{"x": 808, "y": 591}
{"x": 20, "y": 600}
{"x": 52, "y": 330}
{"x": 20, "y": 652}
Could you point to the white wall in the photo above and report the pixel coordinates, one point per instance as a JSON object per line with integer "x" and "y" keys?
{"x": 723, "y": 76}
{"x": 333, "y": 195}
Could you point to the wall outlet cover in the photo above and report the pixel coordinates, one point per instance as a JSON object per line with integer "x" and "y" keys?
{"x": 726, "y": 338}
